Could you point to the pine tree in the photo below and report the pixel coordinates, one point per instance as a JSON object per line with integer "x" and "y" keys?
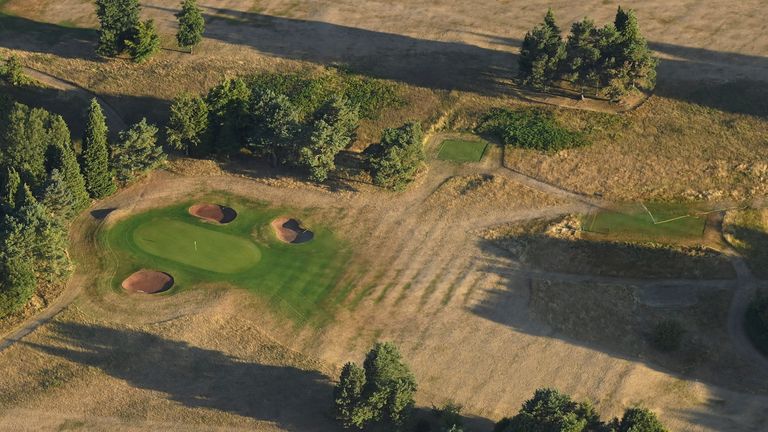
{"x": 24, "y": 141}
{"x": 400, "y": 156}
{"x": 331, "y": 133}
{"x": 46, "y": 240}
{"x": 541, "y": 53}
{"x": 10, "y": 190}
{"x": 191, "y": 25}
{"x": 228, "y": 116}
{"x": 137, "y": 151}
{"x": 145, "y": 41}
{"x": 95, "y": 157}
{"x": 275, "y": 123}
{"x": 62, "y": 157}
{"x": 347, "y": 397}
{"x": 118, "y": 19}
{"x": 58, "y": 198}
{"x": 187, "y": 123}
{"x": 635, "y": 64}
{"x": 582, "y": 60}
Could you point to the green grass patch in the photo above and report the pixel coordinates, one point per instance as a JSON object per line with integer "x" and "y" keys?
{"x": 300, "y": 280}
{"x": 457, "y": 150}
{"x": 530, "y": 128}
{"x": 662, "y": 222}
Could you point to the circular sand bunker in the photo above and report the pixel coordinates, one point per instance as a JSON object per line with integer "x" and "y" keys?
{"x": 148, "y": 282}
{"x": 290, "y": 230}
{"x": 213, "y": 213}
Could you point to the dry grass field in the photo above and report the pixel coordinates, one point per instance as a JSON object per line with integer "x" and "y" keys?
{"x": 480, "y": 326}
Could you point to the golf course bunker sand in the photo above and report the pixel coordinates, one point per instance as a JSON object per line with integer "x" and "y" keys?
{"x": 290, "y": 230}
{"x": 213, "y": 213}
{"x": 148, "y": 282}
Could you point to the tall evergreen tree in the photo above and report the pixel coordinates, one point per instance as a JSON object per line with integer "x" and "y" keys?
{"x": 541, "y": 54}
{"x": 58, "y": 198}
{"x": 95, "y": 157}
{"x": 399, "y": 157}
{"x": 228, "y": 116}
{"x": 118, "y": 20}
{"x": 11, "y": 182}
{"x": 187, "y": 123}
{"x": 275, "y": 123}
{"x": 331, "y": 133}
{"x": 61, "y": 157}
{"x": 145, "y": 41}
{"x": 191, "y": 25}
{"x": 347, "y": 396}
{"x": 634, "y": 61}
{"x": 137, "y": 151}
{"x": 582, "y": 60}
{"x": 23, "y": 143}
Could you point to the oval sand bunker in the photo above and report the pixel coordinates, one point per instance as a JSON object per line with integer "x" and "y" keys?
{"x": 213, "y": 213}
{"x": 291, "y": 231}
{"x": 148, "y": 282}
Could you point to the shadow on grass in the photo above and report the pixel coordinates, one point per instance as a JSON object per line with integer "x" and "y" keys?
{"x": 292, "y": 398}
{"x": 61, "y": 40}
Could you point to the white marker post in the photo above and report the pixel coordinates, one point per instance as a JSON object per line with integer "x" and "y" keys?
{"x": 195, "y": 245}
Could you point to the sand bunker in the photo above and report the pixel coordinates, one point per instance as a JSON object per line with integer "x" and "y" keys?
{"x": 148, "y": 282}
{"x": 291, "y": 231}
{"x": 213, "y": 213}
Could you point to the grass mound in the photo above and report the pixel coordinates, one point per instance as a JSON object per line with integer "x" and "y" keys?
{"x": 458, "y": 150}
{"x": 297, "y": 282}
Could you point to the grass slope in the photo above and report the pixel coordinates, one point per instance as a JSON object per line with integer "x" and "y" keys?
{"x": 462, "y": 150}
{"x": 298, "y": 280}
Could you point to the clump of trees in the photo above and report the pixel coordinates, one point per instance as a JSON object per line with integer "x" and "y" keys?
{"x": 550, "y": 410}
{"x": 191, "y": 25}
{"x": 614, "y": 59}
{"x": 293, "y": 120}
{"x": 381, "y": 392}
{"x": 535, "y": 129}
{"x": 43, "y": 186}
{"x": 121, "y": 29}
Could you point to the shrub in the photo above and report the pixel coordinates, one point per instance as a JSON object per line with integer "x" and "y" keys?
{"x": 530, "y": 129}
{"x": 667, "y": 335}
{"x": 12, "y": 73}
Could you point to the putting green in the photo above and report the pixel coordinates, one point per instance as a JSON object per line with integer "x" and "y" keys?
{"x": 196, "y": 246}
{"x": 462, "y": 150}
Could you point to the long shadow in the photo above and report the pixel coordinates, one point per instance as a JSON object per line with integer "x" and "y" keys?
{"x": 64, "y": 41}
{"x": 612, "y": 316}
{"x": 294, "y": 399}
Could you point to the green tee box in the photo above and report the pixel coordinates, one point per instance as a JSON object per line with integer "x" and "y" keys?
{"x": 462, "y": 150}
{"x": 650, "y": 222}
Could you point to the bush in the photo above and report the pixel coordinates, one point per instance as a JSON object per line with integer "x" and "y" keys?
{"x": 667, "y": 335}
{"x": 398, "y": 158}
{"x": 12, "y": 73}
{"x": 757, "y": 323}
{"x": 530, "y": 129}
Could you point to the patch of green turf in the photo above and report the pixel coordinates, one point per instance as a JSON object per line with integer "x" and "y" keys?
{"x": 299, "y": 280}
{"x": 462, "y": 150}
{"x": 648, "y": 222}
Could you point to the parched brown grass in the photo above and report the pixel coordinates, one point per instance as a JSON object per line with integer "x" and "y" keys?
{"x": 747, "y": 231}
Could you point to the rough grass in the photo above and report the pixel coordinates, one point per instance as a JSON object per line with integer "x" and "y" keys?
{"x": 297, "y": 280}
{"x": 747, "y": 231}
{"x": 462, "y": 150}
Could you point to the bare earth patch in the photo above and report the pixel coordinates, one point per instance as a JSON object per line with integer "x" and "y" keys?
{"x": 147, "y": 281}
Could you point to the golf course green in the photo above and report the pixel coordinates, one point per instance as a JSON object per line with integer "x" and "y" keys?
{"x": 299, "y": 280}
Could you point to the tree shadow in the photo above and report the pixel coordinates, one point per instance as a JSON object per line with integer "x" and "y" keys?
{"x": 63, "y": 41}
{"x": 559, "y": 299}
{"x": 292, "y": 398}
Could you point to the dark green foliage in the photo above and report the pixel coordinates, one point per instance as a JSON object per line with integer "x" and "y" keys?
{"x": 399, "y": 157}
{"x": 549, "y": 410}
{"x": 541, "y": 53}
{"x": 582, "y": 62}
{"x": 57, "y": 197}
{"x": 757, "y": 323}
{"x": 635, "y": 64}
{"x": 145, "y": 41}
{"x": 11, "y": 183}
{"x": 95, "y": 157}
{"x": 12, "y": 73}
{"x": 383, "y": 394}
{"x": 667, "y": 335}
{"x": 274, "y": 127}
{"x": 191, "y": 24}
{"x": 331, "y": 133}
{"x": 187, "y": 123}
{"x": 638, "y": 420}
{"x": 529, "y": 128}
{"x": 23, "y": 143}
{"x": 227, "y": 116}
{"x": 17, "y": 282}
{"x": 62, "y": 157}
{"x": 118, "y": 20}
{"x": 136, "y": 152}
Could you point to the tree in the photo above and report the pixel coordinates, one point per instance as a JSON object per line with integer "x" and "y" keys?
{"x": 638, "y": 420}
{"x": 228, "y": 116}
{"x": 331, "y": 133}
{"x": 136, "y": 151}
{"x": 12, "y": 73}
{"x": 145, "y": 41}
{"x": 23, "y": 142}
{"x": 187, "y": 123}
{"x": 48, "y": 245}
{"x": 384, "y": 393}
{"x": 95, "y": 157}
{"x": 118, "y": 20}
{"x": 550, "y": 410}
{"x": 541, "y": 53}
{"x": 635, "y": 64}
{"x": 398, "y": 158}
{"x": 10, "y": 191}
{"x": 58, "y": 198}
{"x": 61, "y": 157}
{"x": 17, "y": 282}
{"x": 582, "y": 58}
{"x": 275, "y": 124}
{"x": 191, "y": 25}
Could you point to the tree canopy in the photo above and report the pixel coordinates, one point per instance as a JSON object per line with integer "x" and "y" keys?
{"x": 191, "y": 24}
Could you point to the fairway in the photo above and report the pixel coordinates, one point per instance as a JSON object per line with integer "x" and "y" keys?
{"x": 196, "y": 246}
{"x": 298, "y": 281}
{"x": 462, "y": 150}
{"x": 651, "y": 222}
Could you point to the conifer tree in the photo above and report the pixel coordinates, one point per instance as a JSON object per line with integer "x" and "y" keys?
{"x": 95, "y": 157}
{"x": 331, "y": 133}
{"x": 191, "y": 25}
{"x": 187, "y": 123}
{"x": 144, "y": 43}
{"x": 118, "y": 19}
{"x": 400, "y": 156}
{"x": 58, "y": 198}
{"x": 24, "y": 141}
{"x": 10, "y": 191}
{"x": 347, "y": 397}
{"x": 635, "y": 64}
{"x": 61, "y": 157}
{"x": 136, "y": 151}
{"x": 582, "y": 60}
{"x": 541, "y": 53}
